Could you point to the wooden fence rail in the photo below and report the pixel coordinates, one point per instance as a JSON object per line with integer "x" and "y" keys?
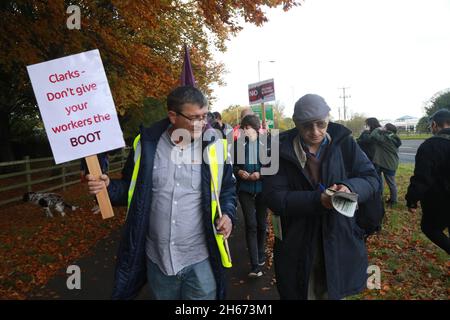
{"x": 40, "y": 171}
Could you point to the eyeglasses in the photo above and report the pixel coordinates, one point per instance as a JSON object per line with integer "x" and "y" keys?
{"x": 194, "y": 118}
{"x": 321, "y": 124}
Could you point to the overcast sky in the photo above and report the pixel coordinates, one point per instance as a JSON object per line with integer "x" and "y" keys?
{"x": 392, "y": 54}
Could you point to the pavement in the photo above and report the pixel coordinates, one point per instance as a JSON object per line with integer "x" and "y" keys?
{"x": 97, "y": 274}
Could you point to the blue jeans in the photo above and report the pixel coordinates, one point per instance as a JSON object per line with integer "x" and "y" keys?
{"x": 194, "y": 282}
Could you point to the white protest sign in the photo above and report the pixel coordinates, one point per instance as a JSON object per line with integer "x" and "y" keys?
{"x": 76, "y": 106}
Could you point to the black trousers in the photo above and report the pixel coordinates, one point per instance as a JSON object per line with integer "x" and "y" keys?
{"x": 435, "y": 220}
{"x": 255, "y": 215}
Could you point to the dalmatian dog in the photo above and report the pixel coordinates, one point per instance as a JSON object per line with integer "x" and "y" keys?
{"x": 48, "y": 201}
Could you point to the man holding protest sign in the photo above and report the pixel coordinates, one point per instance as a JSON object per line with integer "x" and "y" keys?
{"x": 173, "y": 238}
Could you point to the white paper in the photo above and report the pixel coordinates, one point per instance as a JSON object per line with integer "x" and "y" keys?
{"x": 343, "y": 202}
{"x": 76, "y": 105}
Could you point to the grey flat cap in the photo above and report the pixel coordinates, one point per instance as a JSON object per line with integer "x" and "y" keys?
{"x": 310, "y": 107}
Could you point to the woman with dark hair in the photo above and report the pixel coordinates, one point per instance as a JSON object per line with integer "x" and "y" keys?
{"x": 372, "y": 123}
{"x": 364, "y": 141}
{"x": 248, "y": 172}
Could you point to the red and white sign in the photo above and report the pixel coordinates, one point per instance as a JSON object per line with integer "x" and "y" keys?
{"x": 76, "y": 106}
{"x": 261, "y": 91}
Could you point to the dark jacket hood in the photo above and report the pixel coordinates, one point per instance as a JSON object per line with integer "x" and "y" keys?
{"x": 394, "y": 138}
{"x": 444, "y": 133}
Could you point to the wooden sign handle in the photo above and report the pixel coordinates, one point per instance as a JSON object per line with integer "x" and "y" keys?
{"x": 102, "y": 197}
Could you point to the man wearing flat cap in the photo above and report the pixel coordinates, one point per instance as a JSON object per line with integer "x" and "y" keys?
{"x": 430, "y": 183}
{"x": 320, "y": 253}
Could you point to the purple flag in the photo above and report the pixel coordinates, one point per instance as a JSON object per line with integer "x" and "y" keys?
{"x": 187, "y": 76}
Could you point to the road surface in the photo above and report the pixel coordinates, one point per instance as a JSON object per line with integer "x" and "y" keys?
{"x": 408, "y": 150}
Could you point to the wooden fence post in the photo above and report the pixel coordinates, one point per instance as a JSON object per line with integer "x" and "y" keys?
{"x": 26, "y": 170}
{"x": 124, "y": 157}
{"x": 28, "y": 174}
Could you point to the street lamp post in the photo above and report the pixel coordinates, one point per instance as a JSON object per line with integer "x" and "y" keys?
{"x": 263, "y": 109}
{"x": 259, "y": 67}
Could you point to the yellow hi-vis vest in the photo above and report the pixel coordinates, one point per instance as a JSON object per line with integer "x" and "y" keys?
{"x": 217, "y": 156}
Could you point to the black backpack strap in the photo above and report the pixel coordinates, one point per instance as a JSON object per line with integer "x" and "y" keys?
{"x": 370, "y": 214}
{"x": 347, "y": 152}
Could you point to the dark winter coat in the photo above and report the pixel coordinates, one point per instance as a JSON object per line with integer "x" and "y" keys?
{"x": 252, "y": 187}
{"x": 291, "y": 195}
{"x": 386, "y": 149}
{"x": 130, "y": 275}
{"x": 366, "y": 144}
{"x": 430, "y": 183}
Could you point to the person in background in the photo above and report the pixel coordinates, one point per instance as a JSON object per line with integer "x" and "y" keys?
{"x": 236, "y": 129}
{"x": 385, "y": 157}
{"x": 103, "y": 160}
{"x": 210, "y": 120}
{"x": 321, "y": 253}
{"x": 364, "y": 141}
{"x": 224, "y": 127}
{"x": 430, "y": 183}
{"x": 249, "y": 189}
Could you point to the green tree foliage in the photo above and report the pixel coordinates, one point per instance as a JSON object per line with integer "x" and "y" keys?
{"x": 282, "y": 121}
{"x": 231, "y": 115}
{"x": 423, "y": 125}
{"x": 286, "y": 124}
{"x": 150, "y": 111}
{"x": 440, "y": 100}
{"x": 355, "y": 124}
